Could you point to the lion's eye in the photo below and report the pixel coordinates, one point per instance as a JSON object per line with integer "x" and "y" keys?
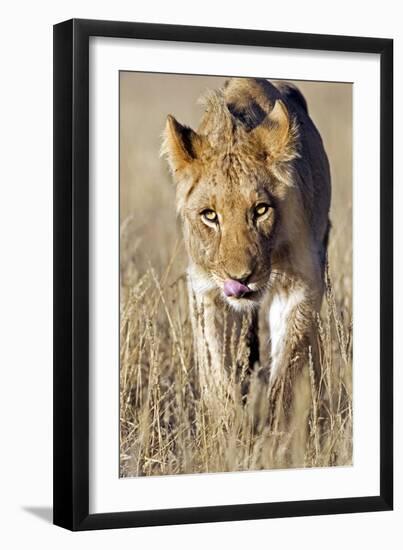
{"x": 261, "y": 209}
{"x": 210, "y": 215}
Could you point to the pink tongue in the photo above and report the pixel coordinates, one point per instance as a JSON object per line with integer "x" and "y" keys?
{"x": 235, "y": 288}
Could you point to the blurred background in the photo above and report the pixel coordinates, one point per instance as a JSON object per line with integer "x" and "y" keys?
{"x": 150, "y": 231}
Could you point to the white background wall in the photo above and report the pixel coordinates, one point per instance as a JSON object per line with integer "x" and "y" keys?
{"x": 26, "y": 279}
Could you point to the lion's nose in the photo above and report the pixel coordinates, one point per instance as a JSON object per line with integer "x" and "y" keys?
{"x": 240, "y": 276}
{"x": 235, "y": 288}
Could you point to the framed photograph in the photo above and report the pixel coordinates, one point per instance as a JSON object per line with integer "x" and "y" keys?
{"x": 223, "y": 274}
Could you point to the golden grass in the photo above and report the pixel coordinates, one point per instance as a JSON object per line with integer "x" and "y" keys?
{"x": 168, "y": 426}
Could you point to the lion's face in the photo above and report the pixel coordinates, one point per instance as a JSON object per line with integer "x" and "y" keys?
{"x": 232, "y": 180}
{"x": 230, "y": 220}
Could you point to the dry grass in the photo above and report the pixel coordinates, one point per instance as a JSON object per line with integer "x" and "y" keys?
{"x": 167, "y": 425}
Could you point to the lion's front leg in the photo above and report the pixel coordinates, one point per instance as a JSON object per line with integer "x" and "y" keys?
{"x": 293, "y": 346}
{"x": 290, "y": 323}
{"x": 226, "y": 343}
{"x": 208, "y": 342}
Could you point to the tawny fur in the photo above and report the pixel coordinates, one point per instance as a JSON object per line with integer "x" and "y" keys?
{"x": 255, "y": 144}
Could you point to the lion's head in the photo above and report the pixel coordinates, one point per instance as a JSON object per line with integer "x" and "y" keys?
{"x": 232, "y": 177}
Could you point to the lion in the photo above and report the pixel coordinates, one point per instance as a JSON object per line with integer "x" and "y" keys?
{"x": 253, "y": 192}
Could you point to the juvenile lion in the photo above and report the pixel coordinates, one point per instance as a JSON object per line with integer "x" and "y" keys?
{"x": 253, "y": 193}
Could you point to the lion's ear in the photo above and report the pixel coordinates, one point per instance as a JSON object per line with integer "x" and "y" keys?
{"x": 181, "y": 145}
{"x": 277, "y": 133}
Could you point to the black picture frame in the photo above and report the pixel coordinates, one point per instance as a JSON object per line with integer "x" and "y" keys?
{"x": 71, "y": 274}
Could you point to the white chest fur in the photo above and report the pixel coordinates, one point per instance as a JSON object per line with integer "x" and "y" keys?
{"x": 280, "y": 312}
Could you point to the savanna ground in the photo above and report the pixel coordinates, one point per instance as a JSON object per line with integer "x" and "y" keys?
{"x": 167, "y": 426}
